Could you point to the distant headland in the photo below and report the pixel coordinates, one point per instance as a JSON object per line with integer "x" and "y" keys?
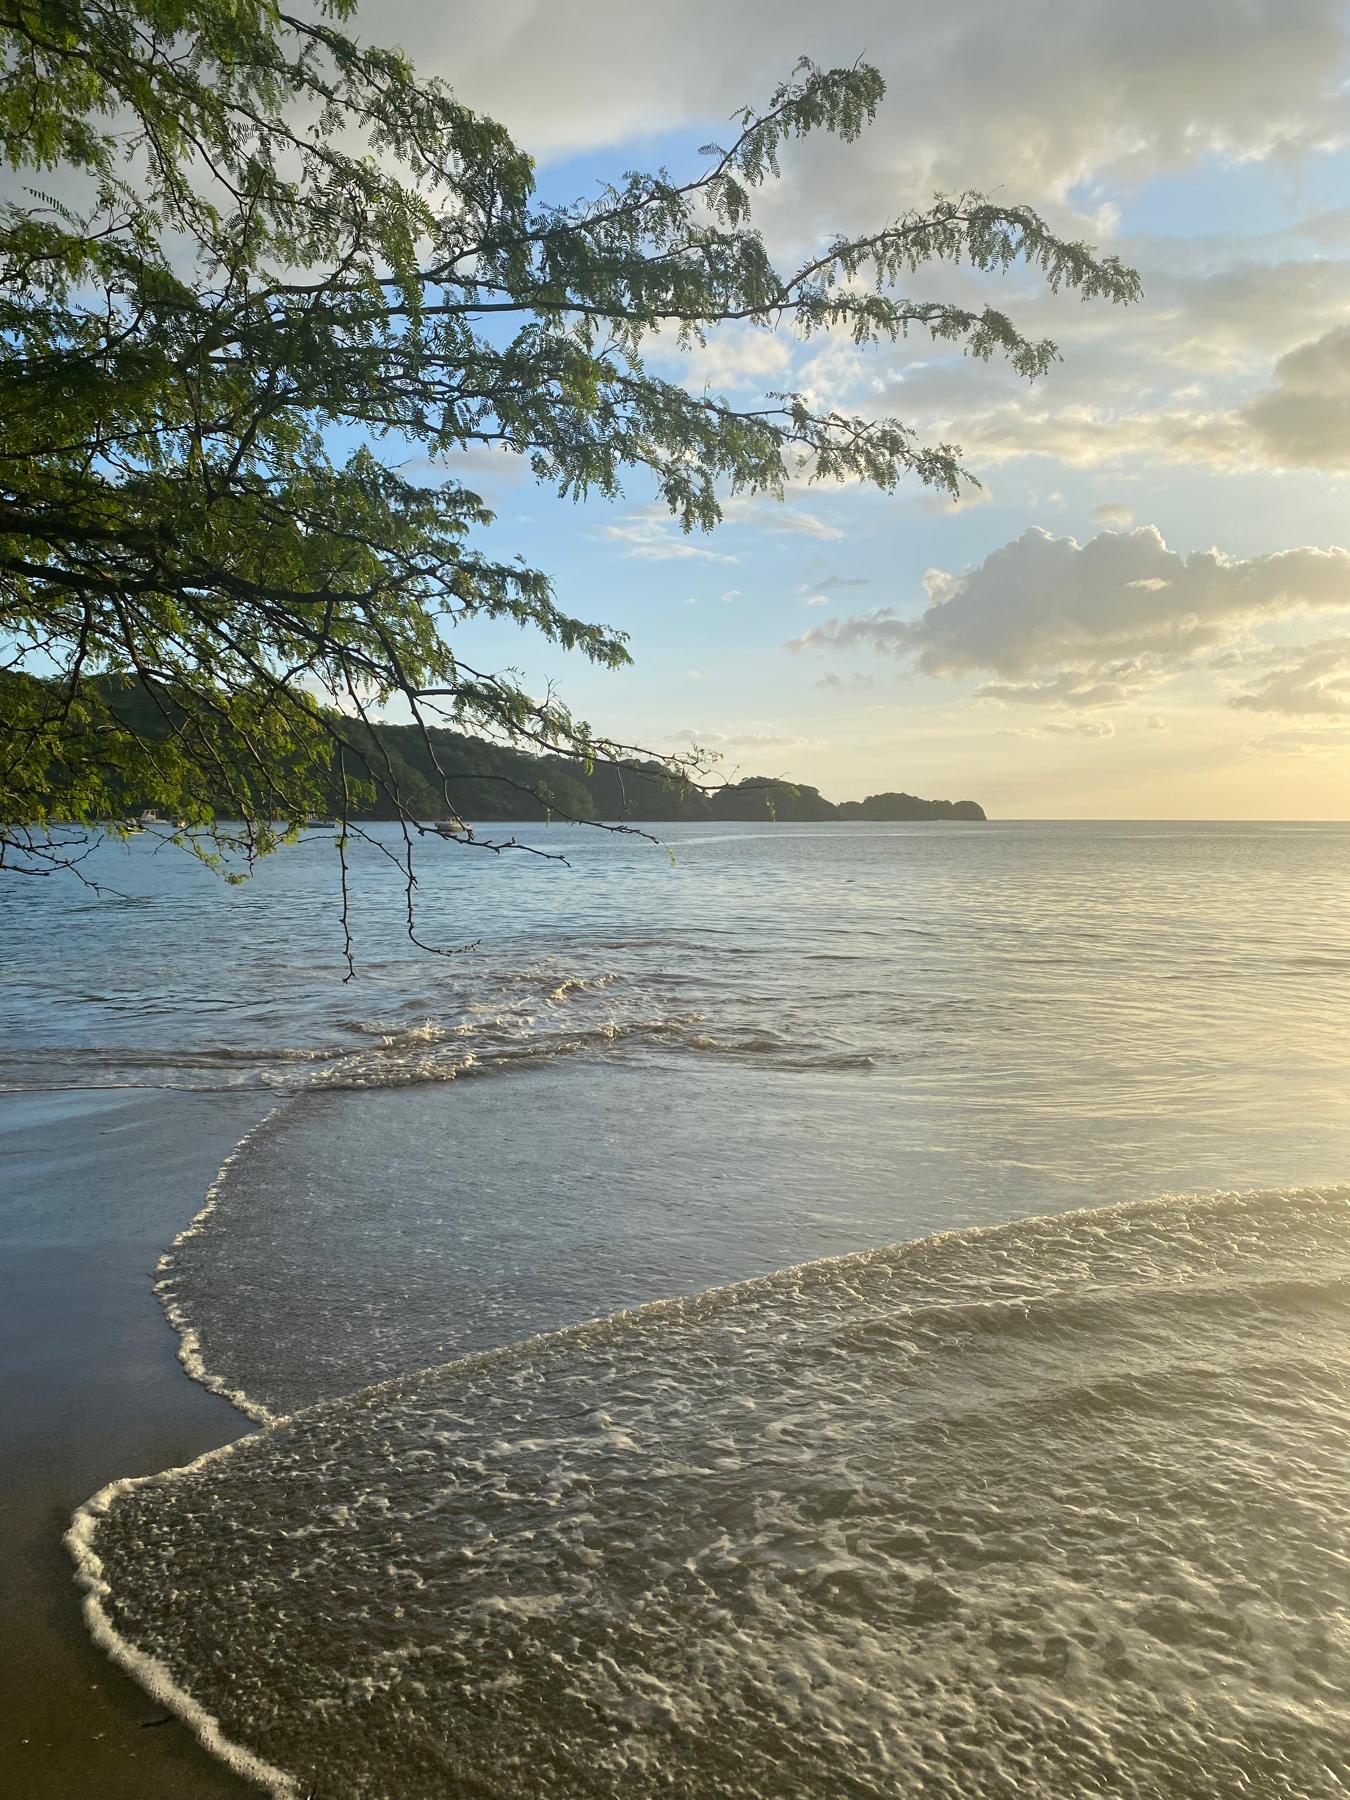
{"x": 485, "y": 783}
{"x": 488, "y": 784}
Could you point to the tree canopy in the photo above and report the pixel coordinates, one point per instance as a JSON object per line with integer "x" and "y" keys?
{"x": 248, "y": 265}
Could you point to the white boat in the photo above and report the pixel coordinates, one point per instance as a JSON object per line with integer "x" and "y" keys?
{"x": 149, "y": 817}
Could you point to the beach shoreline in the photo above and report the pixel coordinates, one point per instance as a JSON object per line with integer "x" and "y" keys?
{"x": 95, "y": 1185}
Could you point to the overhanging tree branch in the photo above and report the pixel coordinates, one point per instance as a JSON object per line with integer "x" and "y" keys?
{"x": 289, "y": 240}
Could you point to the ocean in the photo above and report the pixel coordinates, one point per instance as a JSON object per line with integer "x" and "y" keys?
{"x": 829, "y": 1310}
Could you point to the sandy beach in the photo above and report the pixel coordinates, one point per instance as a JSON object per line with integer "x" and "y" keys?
{"x": 93, "y": 1185}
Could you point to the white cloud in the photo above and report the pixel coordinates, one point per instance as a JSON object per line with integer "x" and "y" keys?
{"x": 1330, "y": 227}
{"x": 969, "y": 498}
{"x": 1065, "y": 623}
{"x": 1112, "y": 513}
{"x": 1236, "y": 317}
{"x": 480, "y": 467}
{"x": 1315, "y": 679}
{"x": 808, "y": 524}
{"x": 817, "y": 600}
{"x": 769, "y": 515}
{"x": 1093, "y": 436}
{"x": 1269, "y": 339}
{"x": 653, "y": 537}
{"x": 1087, "y": 728}
{"x": 1027, "y": 96}
{"x": 1303, "y": 421}
{"x": 735, "y": 356}
{"x": 1326, "y": 745}
{"x": 1111, "y": 684}
{"x": 737, "y": 739}
{"x": 1300, "y": 419}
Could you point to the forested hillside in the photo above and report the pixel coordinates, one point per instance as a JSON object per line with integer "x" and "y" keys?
{"x": 484, "y": 782}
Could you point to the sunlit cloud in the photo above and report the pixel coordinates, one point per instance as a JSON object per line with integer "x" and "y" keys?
{"x": 1303, "y": 420}
{"x": 839, "y": 684}
{"x": 1067, "y": 618}
{"x": 1086, "y": 728}
{"x": 658, "y": 539}
{"x": 769, "y": 515}
{"x": 1113, "y": 684}
{"x": 1264, "y": 346}
{"x": 947, "y": 506}
{"x": 1316, "y": 679}
{"x": 1040, "y": 107}
{"x": 735, "y": 739}
{"x": 733, "y": 357}
{"x": 1315, "y": 746}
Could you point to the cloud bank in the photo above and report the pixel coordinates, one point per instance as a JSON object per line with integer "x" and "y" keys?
{"x": 1045, "y": 95}
{"x": 1070, "y": 624}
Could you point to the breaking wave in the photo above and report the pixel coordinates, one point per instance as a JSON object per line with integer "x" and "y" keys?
{"x": 1051, "y": 1508}
{"x": 478, "y": 1022}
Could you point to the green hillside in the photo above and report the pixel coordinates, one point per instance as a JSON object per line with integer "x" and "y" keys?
{"x": 489, "y": 783}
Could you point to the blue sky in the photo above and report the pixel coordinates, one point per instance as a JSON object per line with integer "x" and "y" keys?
{"x": 864, "y": 642}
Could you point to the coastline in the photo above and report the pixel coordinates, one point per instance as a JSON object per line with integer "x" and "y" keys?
{"x": 95, "y": 1184}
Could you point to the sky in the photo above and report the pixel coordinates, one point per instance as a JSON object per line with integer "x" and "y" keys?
{"x": 1144, "y": 610}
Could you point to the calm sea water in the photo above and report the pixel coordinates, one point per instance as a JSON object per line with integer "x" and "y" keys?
{"x": 1054, "y": 1505}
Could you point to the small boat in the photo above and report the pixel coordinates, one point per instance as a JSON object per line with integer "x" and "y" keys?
{"x": 149, "y": 817}
{"x": 319, "y": 825}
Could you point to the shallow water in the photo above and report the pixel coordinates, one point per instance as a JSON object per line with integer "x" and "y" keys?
{"x": 1052, "y": 1509}
{"x": 972, "y": 1505}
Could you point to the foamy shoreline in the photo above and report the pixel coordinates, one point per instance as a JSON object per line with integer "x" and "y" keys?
{"x": 148, "y": 1674}
{"x": 899, "y": 1450}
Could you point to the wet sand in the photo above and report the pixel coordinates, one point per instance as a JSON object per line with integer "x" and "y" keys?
{"x": 92, "y": 1188}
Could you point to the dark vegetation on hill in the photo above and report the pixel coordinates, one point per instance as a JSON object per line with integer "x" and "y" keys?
{"x": 489, "y": 783}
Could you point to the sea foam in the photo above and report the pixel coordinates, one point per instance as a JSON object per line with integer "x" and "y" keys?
{"x": 1054, "y": 1507}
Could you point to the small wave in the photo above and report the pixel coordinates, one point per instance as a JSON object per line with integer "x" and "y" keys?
{"x": 1050, "y": 1507}
{"x": 455, "y": 1024}
{"x": 412, "y": 1059}
{"x": 577, "y": 984}
{"x": 757, "y": 1044}
{"x": 189, "y": 1341}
